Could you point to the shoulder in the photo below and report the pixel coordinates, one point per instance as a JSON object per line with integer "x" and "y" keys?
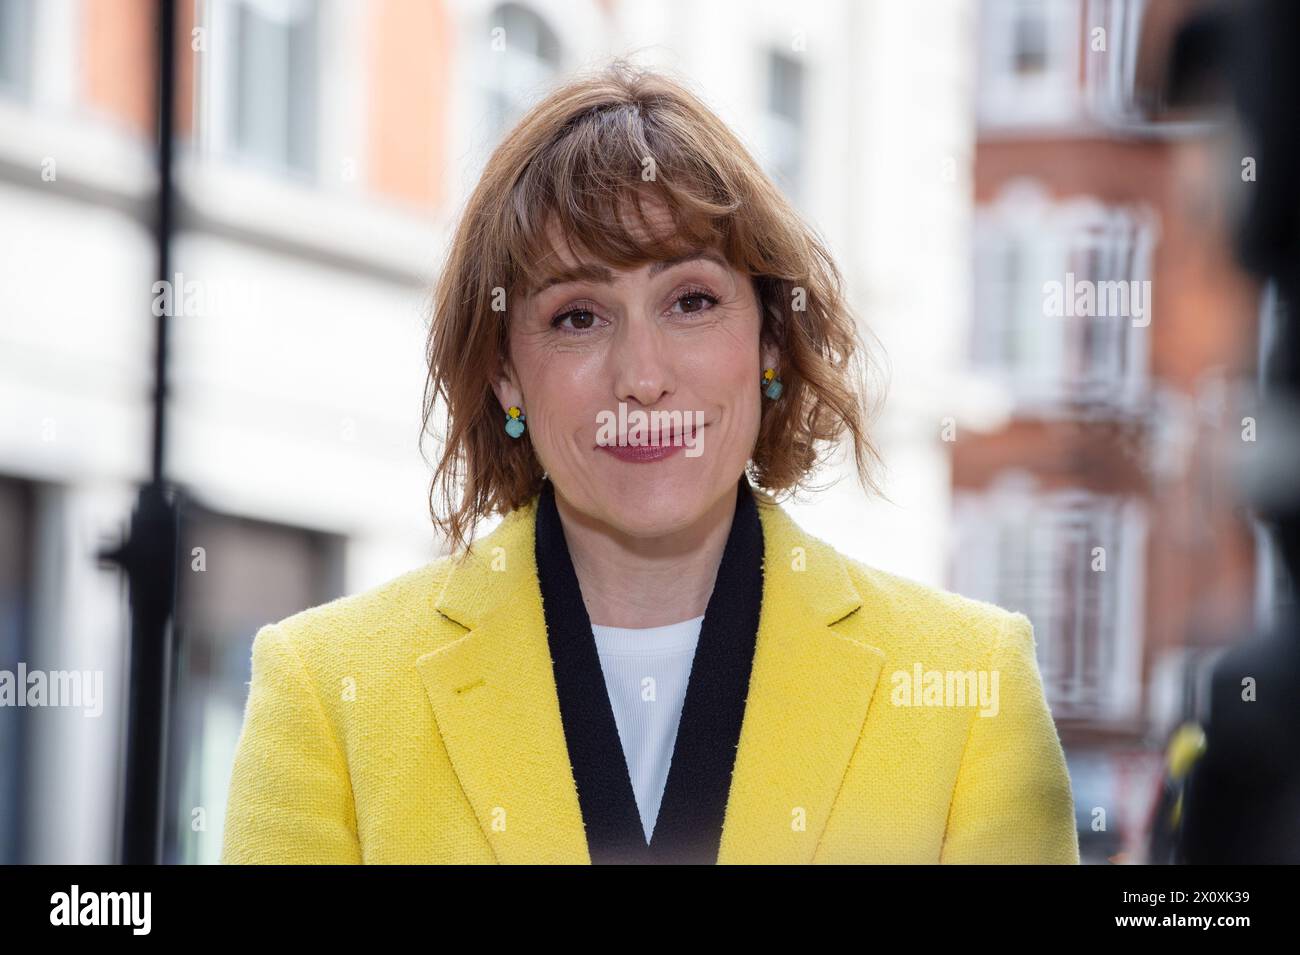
{"x": 933, "y": 607}
{"x": 920, "y": 625}
{"x": 906, "y": 617}
{"x": 398, "y": 620}
{"x": 387, "y": 622}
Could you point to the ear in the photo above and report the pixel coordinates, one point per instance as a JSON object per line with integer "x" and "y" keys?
{"x": 506, "y": 388}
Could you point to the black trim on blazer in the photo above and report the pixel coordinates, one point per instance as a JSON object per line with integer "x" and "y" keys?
{"x": 689, "y": 826}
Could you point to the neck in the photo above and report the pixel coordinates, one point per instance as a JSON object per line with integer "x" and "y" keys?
{"x": 638, "y": 582}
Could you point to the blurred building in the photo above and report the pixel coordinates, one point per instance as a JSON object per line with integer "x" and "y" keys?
{"x": 324, "y": 150}
{"x": 1089, "y": 488}
{"x": 959, "y": 158}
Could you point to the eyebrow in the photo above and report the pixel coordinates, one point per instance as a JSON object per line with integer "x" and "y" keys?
{"x": 589, "y": 272}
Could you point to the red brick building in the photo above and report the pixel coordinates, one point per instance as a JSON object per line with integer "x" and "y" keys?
{"x": 1099, "y": 506}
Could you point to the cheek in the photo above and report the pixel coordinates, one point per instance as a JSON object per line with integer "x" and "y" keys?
{"x": 728, "y": 376}
{"x": 562, "y": 390}
{"x": 729, "y": 366}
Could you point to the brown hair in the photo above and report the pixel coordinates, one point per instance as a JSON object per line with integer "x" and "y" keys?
{"x": 580, "y": 162}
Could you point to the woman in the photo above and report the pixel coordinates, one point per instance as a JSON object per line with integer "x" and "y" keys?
{"x": 647, "y": 659}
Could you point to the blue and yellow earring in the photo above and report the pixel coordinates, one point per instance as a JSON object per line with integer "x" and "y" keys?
{"x": 771, "y": 384}
{"x": 514, "y": 422}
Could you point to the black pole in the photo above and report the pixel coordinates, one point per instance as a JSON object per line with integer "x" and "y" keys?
{"x": 166, "y": 40}
{"x": 148, "y": 556}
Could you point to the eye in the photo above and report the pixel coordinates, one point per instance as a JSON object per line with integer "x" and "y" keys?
{"x": 696, "y": 300}
{"x": 581, "y": 319}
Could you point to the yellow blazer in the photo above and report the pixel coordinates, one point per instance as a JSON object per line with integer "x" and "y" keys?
{"x": 419, "y": 723}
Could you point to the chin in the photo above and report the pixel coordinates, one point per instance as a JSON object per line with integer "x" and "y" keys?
{"x": 651, "y": 500}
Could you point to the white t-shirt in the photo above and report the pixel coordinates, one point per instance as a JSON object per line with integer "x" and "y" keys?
{"x": 646, "y": 673}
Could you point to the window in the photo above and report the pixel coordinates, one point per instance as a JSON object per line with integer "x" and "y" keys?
{"x": 1096, "y": 779}
{"x": 1029, "y": 62}
{"x": 1036, "y": 552}
{"x": 1029, "y": 43}
{"x": 785, "y": 120}
{"x": 264, "y": 107}
{"x": 252, "y": 574}
{"x": 1127, "y": 87}
{"x": 524, "y": 57}
{"x": 1063, "y": 301}
{"x": 15, "y": 47}
{"x": 1114, "y": 92}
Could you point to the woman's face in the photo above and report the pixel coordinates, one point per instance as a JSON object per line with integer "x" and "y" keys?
{"x": 677, "y": 344}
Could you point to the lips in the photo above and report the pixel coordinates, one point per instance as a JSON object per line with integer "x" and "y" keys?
{"x": 675, "y": 436}
{"x": 643, "y": 453}
{"x": 669, "y": 444}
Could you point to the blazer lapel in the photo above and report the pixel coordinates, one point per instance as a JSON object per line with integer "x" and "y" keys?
{"x": 808, "y": 698}
{"x": 496, "y": 704}
{"x": 494, "y": 700}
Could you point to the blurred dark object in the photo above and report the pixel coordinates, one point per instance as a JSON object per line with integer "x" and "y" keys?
{"x": 1197, "y": 75}
{"x": 1186, "y": 746}
{"x": 148, "y": 555}
{"x": 1242, "y": 799}
{"x": 148, "y": 558}
{"x": 1240, "y": 803}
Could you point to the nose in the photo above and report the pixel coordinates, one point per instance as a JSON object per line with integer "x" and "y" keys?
{"x": 643, "y": 363}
